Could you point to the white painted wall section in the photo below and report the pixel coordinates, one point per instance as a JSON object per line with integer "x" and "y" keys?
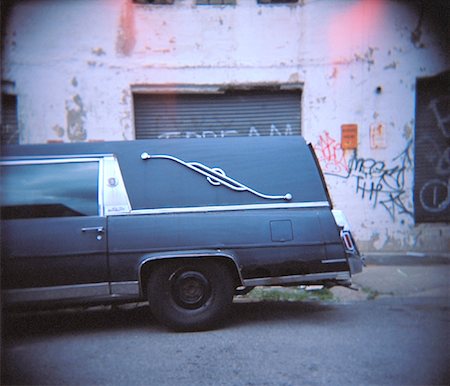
{"x": 74, "y": 64}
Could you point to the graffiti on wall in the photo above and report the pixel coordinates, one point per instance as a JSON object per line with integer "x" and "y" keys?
{"x": 330, "y": 154}
{"x": 376, "y": 181}
{"x": 434, "y": 194}
{"x": 381, "y": 183}
{"x": 432, "y": 152}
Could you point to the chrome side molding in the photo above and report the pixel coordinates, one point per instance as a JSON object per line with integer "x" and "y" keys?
{"x": 293, "y": 279}
{"x": 66, "y": 292}
{"x": 216, "y": 176}
{"x": 232, "y": 208}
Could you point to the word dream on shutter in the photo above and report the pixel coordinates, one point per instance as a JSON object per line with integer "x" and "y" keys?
{"x": 245, "y": 113}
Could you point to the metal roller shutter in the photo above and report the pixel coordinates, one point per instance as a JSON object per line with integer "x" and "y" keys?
{"x": 9, "y": 129}
{"x": 432, "y": 150}
{"x": 243, "y": 113}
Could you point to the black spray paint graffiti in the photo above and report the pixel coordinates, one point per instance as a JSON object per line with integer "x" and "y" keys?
{"x": 382, "y": 184}
{"x": 435, "y": 193}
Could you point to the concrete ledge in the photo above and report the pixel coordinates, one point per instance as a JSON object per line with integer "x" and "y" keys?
{"x": 406, "y": 280}
{"x": 407, "y": 258}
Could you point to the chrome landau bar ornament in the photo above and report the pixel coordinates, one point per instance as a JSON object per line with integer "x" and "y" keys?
{"x": 216, "y": 176}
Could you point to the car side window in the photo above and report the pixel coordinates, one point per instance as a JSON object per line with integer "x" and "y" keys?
{"x": 52, "y": 189}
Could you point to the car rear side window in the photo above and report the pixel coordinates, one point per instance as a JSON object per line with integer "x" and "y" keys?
{"x": 52, "y": 189}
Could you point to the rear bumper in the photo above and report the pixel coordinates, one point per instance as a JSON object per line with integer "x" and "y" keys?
{"x": 355, "y": 262}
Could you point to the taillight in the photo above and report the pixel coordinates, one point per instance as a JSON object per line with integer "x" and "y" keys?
{"x": 348, "y": 240}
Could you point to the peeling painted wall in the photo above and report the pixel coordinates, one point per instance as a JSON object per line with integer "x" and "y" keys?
{"x": 73, "y": 66}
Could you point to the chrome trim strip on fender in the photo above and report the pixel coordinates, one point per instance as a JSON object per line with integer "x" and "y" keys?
{"x": 191, "y": 254}
{"x": 228, "y": 208}
{"x": 216, "y": 176}
{"x": 332, "y": 261}
{"x": 309, "y": 278}
{"x": 125, "y": 288}
{"x": 55, "y": 293}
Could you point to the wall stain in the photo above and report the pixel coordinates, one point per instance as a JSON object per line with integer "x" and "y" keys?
{"x": 367, "y": 57}
{"x": 126, "y": 34}
{"x": 125, "y": 97}
{"x": 125, "y": 115}
{"x": 75, "y": 116}
{"x": 416, "y": 35}
{"x": 59, "y": 131}
{"x": 408, "y": 131}
{"x": 391, "y": 66}
{"x": 98, "y": 51}
{"x": 334, "y": 74}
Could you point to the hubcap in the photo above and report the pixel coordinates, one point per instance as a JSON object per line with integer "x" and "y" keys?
{"x": 190, "y": 289}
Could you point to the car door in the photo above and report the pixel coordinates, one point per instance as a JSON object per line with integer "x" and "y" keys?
{"x": 53, "y": 232}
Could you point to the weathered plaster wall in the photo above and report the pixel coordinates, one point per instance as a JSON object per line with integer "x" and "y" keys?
{"x": 74, "y": 63}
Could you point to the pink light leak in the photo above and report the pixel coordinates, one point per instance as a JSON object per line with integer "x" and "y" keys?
{"x": 126, "y": 33}
{"x": 351, "y": 28}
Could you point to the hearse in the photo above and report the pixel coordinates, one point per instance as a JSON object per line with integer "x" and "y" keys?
{"x": 184, "y": 224}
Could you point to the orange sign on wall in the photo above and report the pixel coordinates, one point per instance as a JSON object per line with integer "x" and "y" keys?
{"x": 349, "y": 136}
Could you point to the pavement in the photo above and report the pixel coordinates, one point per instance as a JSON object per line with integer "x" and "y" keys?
{"x": 399, "y": 275}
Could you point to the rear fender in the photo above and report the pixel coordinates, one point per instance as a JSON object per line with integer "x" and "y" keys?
{"x": 148, "y": 261}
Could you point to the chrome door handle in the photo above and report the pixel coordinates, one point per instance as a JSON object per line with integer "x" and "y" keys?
{"x": 93, "y": 229}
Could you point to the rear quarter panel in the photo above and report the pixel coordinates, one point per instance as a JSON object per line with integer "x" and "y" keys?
{"x": 265, "y": 242}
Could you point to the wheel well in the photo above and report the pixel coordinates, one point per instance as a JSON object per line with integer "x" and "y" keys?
{"x": 149, "y": 266}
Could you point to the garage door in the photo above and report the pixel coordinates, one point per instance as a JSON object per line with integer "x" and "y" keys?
{"x": 432, "y": 150}
{"x": 238, "y": 113}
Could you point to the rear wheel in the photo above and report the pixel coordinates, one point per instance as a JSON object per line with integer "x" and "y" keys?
{"x": 190, "y": 295}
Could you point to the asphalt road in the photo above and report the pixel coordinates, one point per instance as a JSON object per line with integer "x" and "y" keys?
{"x": 388, "y": 341}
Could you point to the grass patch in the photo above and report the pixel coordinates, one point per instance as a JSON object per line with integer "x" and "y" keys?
{"x": 371, "y": 294}
{"x": 289, "y": 294}
{"x": 374, "y": 294}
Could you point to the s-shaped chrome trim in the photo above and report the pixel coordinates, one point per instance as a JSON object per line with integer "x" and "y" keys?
{"x": 216, "y": 176}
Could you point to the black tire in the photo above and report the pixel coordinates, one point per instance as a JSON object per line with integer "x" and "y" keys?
{"x": 190, "y": 295}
